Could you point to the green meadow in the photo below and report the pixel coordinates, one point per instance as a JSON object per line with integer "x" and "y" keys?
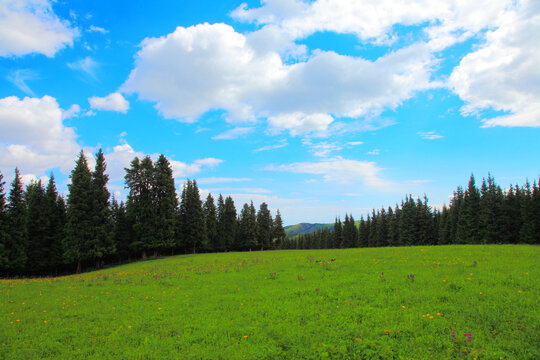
{"x": 443, "y": 302}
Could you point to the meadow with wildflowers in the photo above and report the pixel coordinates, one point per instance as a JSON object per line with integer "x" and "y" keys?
{"x": 441, "y": 302}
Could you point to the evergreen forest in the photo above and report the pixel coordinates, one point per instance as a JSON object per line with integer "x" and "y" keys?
{"x": 41, "y": 233}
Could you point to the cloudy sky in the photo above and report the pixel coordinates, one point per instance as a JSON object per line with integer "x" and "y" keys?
{"x": 316, "y": 107}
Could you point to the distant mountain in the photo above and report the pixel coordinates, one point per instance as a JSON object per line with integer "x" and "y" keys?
{"x": 305, "y": 228}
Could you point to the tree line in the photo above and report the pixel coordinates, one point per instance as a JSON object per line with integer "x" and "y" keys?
{"x": 41, "y": 233}
{"x": 485, "y": 215}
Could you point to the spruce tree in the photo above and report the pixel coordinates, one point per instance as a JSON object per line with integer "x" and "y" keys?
{"x": 264, "y": 227}
{"x": 337, "y": 232}
{"x": 101, "y": 243}
{"x": 363, "y": 233}
{"x": 166, "y": 202}
{"x": 17, "y": 228}
{"x": 229, "y": 224}
{"x": 468, "y": 226}
{"x": 220, "y": 244}
{"x": 79, "y": 225}
{"x": 192, "y": 217}
{"x": 247, "y": 228}
{"x": 140, "y": 206}
{"x": 121, "y": 230}
{"x": 279, "y": 231}
{"x": 350, "y": 233}
{"x": 4, "y": 231}
{"x": 512, "y": 220}
{"x": 56, "y": 215}
{"x": 37, "y": 224}
{"x": 210, "y": 216}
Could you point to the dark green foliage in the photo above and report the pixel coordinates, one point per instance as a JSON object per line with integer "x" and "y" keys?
{"x": 37, "y": 226}
{"x": 121, "y": 230}
{"x": 264, "y": 227}
{"x": 247, "y": 228}
{"x": 101, "y": 243}
{"x": 220, "y": 215}
{"x": 337, "y": 231}
{"x": 228, "y": 224}
{"x": 140, "y": 207}
{"x": 279, "y": 231}
{"x": 4, "y": 231}
{"x": 468, "y": 229}
{"x": 17, "y": 229}
{"x": 165, "y": 204}
{"x": 56, "y": 215}
{"x": 349, "y": 233}
{"x": 192, "y": 217}
{"x": 79, "y": 226}
{"x": 210, "y": 217}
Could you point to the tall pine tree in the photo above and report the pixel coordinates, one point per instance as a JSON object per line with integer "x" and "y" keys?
{"x": 166, "y": 202}
{"x": 210, "y": 217}
{"x": 79, "y": 225}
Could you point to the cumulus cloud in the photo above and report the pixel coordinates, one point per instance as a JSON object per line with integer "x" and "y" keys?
{"x": 111, "y": 102}
{"x": 97, "y": 29}
{"x": 30, "y": 26}
{"x": 33, "y": 136}
{"x": 205, "y": 67}
{"x": 341, "y": 171}
{"x": 233, "y": 133}
{"x": 503, "y": 74}
{"x": 73, "y": 111}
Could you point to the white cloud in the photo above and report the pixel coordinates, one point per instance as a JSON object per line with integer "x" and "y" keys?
{"x": 86, "y": 66}
{"x": 111, "y": 102}
{"x": 504, "y": 74}
{"x": 355, "y": 143}
{"x": 205, "y": 67}
{"x": 217, "y": 180}
{"x": 341, "y": 171}
{"x": 30, "y": 26}
{"x": 233, "y": 133}
{"x": 374, "y": 152}
{"x": 429, "y": 135}
{"x": 33, "y": 136}
{"x": 321, "y": 149}
{"x": 229, "y": 189}
{"x": 19, "y": 78}
{"x": 98, "y": 29}
{"x": 279, "y": 145}
{"x": 73, "y": 111}
{"x": 122, "y": 155}
{"x": 448, "y": 21}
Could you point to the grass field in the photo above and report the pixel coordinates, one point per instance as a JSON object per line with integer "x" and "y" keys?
{"x": 447, "y": 302}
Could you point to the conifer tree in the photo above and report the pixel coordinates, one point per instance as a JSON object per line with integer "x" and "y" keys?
{"x": 192, "y": 217}
{"x": 37, "y": 221}
{"x": 512, "y": 220}
{"x": 279, "y": 231}
{"x": 491, "y": 224}
{"x": 468, "y": 229}
{"x": 210, "y": 216}
{"x": 393, "y": 233}
{"x": 527, "y": 231}
{"x": 247, "y": 228}
{"x": 101, "y": 243}
{"x": 363, "y": 233}
{"x": 350, "y": 233}
{"x": 56, "y": 215}
{"x": 140, "y": 206}
{"x": 264, "y": 227}
{"x": 17, "y": 228}
{"x": 220, "y": 244}
{"x": 4, "y": 231}
{"x": 229, "y": 224}
{"x": 79, "y": 226}
{"x": 121, "y": 230}
{"x": 337, "y": 232}
{"x": 165, "y": 202}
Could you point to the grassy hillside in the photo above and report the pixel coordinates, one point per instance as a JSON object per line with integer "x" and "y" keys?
{"x": 305, "y": 228}
{"x": 447, "y": 302}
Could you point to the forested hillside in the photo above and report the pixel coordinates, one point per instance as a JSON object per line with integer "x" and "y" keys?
{"x": 41, "y": 233}
{"x": 485, "y": 215}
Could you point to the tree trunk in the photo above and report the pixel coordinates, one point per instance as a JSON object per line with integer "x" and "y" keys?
{"x": 155, "y": 254}
{"x": 144, "y": 255}
{"x": 78, "y": 267}
{"x": 98, "y": 264}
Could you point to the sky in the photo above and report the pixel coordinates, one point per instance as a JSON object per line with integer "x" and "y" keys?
{"x": 318, "y": 108}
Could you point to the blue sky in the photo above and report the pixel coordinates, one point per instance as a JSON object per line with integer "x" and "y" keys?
{"x": 316, "y": 107}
